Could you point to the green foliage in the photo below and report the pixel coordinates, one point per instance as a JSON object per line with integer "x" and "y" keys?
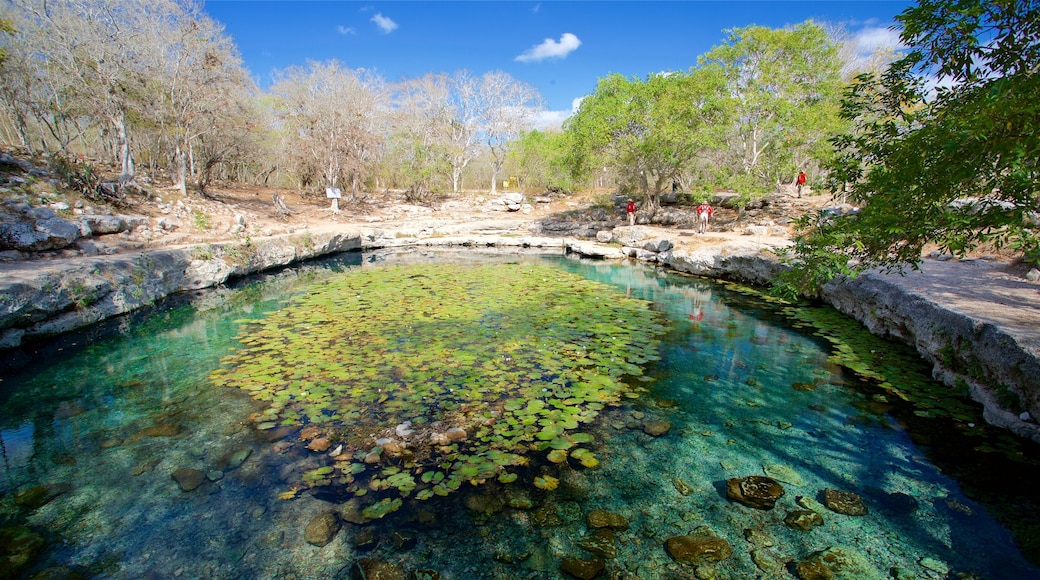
{"x": 786, "y": 84}
{"x": 517, "y": 356}
{"x": 955, "y": 165}
{"x": 200, "y": 220}
{"x": 650, "y": 132}
{"x": 540, "y": 159}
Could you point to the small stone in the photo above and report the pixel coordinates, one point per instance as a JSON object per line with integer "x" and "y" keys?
{"x": 319, "y": 444}
{"x": 835, "y": 562}
{"x": 375, "y": 569}
{"x": 584, "y": 569}
{"x": 656, "y": 428}
{"x": 605, "y": 519}
{"x": 602, "y": 543}
{"x": 844, "y": 502}
{"x": 754, "y": 491}
{"x": 161, "y": 430}
{"x": 40, "y": 495}
{"x": 309, "y": 432}
{"x": 321, "y": 529}
{"x": 783, "y": 473}
{"x": 638, "y": 415}
{"x": 215, "y": 475}
{"x": 456, "y": 434}
{"x": 188, "y": 478}
{"x": 700, "y": 547}
{"x": 810, "y": 504}
{"x": 758, "y": 538}
{"x": 899, "y": 503}
{"x": 681, "y": 486}
{"x": 144, "y": 467}
{"x": 804, "y": 520}
{"x": 366, "y": 540}
{"x": 935, "y": 566}
{"x": 1033, "y": 275}
{"x": 765, "y": 561}
{"x": 350, "y": 511}
{"x": 403, "y": 541}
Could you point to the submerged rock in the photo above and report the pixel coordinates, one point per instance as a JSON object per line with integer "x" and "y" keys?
{"x": 700, "y": 547}
{"x": 657, "y": 428}
{"x": 837, "y": 562}
{"x": 605, "y": 519}
{"x": 754, "y": 491}
{"x": 584, "y": 569}
{"x": 803, "y": 520}
{"x": 375, "y": 569}
{"x": 321, "y": 529}
{"x": 899, "y": 503}
{"x": 188, "y": 478}
{"x": 844, "y": 502}
{"x": 19, "y": 546}
{"x": 602, "y": 543}
{"x": 40, "y": 495}
{"x": 161, "y": 430}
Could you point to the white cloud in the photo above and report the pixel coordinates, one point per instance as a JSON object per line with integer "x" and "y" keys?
{"x": 345, "y": 30}
{"x": 384, "y": 23}
{"x": 550, "y": 48}
{"x": 544, "y": 120}
{"x": 869, "y": 40}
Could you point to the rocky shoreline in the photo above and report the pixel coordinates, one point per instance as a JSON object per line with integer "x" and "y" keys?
{"x": 994, "y": 359}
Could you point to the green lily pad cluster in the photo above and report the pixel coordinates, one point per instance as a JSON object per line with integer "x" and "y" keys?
{"x": 426, "y": 377}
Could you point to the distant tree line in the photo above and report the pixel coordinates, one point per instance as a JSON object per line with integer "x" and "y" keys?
{"x": 157, "y": 86}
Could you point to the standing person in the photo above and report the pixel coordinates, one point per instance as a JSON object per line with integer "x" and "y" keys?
{"x": 704, "y": 212}
{"x": 800, "y": 182}
{"x": 631, "y": 211}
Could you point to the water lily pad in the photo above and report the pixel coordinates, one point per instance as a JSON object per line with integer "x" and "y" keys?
{"x": 483, "y": 339}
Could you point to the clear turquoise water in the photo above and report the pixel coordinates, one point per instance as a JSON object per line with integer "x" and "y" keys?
{"x": 83, "y": 415}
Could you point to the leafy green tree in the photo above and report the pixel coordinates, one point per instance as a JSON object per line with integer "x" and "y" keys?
{"x": 944, "y": 145}
{"x": 539, "y": 159}
{"x": 786, "y": 84}
{"x": 650, "y": 131}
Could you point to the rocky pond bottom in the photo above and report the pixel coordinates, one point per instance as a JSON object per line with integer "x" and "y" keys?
{"x": 765, "y": 441}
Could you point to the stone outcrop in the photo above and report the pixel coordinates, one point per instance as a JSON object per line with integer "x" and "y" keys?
{"x": 993, "y": 351}
{"x": 995, "y": 356}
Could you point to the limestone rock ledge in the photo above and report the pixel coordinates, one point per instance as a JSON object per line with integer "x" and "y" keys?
{"x": 969, "y": 349}
{"x": 56, "y": 296}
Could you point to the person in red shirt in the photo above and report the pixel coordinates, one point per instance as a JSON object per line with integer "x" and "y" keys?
{"x": 704, "y": 212}
{"x": 631, "y": 211}
{"x": 800, "y": 182}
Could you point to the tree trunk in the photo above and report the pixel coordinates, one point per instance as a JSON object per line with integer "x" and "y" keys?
{"x": 126, "y": 159}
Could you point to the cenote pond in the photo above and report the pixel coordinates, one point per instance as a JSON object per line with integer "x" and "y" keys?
{"x": 427, "y": 415}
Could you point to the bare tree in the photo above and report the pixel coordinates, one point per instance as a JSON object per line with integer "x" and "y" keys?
{"x": 463, "y": 126}
{"x": 506, "y": 109}
{"x": 331, "y": 115}
{"x": 421, "y": 118}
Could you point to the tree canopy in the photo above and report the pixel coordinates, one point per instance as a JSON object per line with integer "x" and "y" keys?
{"x": 943, "y": 146}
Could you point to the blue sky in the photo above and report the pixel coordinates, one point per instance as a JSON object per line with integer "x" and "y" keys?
{"x": 560, "y": 47}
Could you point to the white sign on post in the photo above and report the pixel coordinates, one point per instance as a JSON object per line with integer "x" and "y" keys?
{"x": 333, "y": 193}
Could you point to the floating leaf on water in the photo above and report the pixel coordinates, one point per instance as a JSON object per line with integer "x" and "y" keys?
{"x": 426, "y": 373}
{"x": 381, "y": 508}
{"x": 546, "y": 482}
{"x": 557, "y": 456}
{"x": 507, "y": 477}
